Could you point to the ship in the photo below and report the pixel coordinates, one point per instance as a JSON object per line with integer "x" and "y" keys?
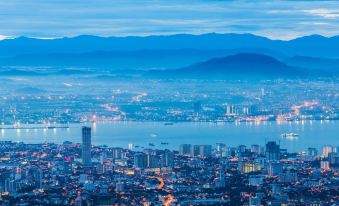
{"x": 290, "y": 136}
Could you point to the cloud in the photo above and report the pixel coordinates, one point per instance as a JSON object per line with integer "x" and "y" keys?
{"x": 323, "y": 12}
{"x": 278, "y": 19}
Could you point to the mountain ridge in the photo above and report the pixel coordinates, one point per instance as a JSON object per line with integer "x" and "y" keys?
{"x": 312, "y": 45}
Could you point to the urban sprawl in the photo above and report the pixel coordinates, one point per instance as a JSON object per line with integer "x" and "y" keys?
{"x": 84, "y": 174}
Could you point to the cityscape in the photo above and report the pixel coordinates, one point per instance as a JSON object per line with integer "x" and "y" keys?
{"x": 83, "y": 174}
{"x": 169, "y": 103}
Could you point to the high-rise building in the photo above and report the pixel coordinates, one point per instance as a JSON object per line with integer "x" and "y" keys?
{"x": 220, "y": 149}
{"x": 4, "y": 181}
{"x": 312, "y": 151}
{"x": 86, "y": 145}
{"x": 167, "y": 159}
{"x": 231, "y": 109}
{"x": 185, "y": 149}
{"x": 153, "y": 161}
{"x": 117, "y": 153}
{"x": 140, "y": 160}
{"x": 37, "y": 175}
{"x": 257, "y": 149}
{"x": 272, "y": 151}
{"x": 328, "y": 149}
{"x": 205, "y": 150}
{"x": 195, "y": 150}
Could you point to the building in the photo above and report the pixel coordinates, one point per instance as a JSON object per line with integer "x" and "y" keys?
{"x": 185, "y": 149}
{"x": 248, "y": 167}
{"x": 255, "y": 180}
{"x": 231, "y": 109}
{"x": 220, "y": 149}
{"x": 117, "y": 153}
{"x": 140, "y": 160}
{"x": 325, "y": 165}
{"x": 167, "y": 159}
{"x": 274, "y": 168}
{"x": 312, "y": 151}
{"x": 205, "y": 150}
{"x": 195, "y": 150}
{"x": 86, "y": 145}
{"x": 272, "y": 151}
{"x": 153, "y": 161}
{"x": 288, "y": 177}
{"x": 328, "y": 149}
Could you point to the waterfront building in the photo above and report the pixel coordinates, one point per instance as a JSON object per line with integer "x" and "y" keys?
{"x": 86, "y": 145}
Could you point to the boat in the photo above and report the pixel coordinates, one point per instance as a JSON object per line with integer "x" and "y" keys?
{"x": 57, "y": 127}
{"x": 164, "y": 143}
{"x": 150, "y": 144}
{"x": 168, "y": 123}
{"x": 290, "y": 135}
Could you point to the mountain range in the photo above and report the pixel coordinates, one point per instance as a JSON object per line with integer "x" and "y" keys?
{"x": 314, "y": 45}
{"x": 316, "y": 54}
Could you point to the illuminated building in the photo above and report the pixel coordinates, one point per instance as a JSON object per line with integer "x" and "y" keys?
{"x": 86, "y": 145}
{"x": 248, "y": 167}
{"x": 325, "y": 165}
{"x": 328, "y": 149}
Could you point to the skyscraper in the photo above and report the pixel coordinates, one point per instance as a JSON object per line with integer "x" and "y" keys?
{"x": 140, "y": 160}
{"x": 185, "y": 149}
{"x": 167, "y": 159}
{"x": 86, "y": 145}
{"x": 205, "y": 150}
{"x": 272, "y": 151}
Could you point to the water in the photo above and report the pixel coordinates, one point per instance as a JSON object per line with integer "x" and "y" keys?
{"x": 312, "y": 134}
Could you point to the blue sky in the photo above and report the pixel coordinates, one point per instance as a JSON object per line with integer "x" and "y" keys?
{"x": 275, "y": 19}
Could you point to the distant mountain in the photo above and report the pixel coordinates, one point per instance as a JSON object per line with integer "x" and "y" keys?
{"x": 117, "y": 60}
{"x": 239, "y": 66}
{"x": 314, "y": 45}
{"x": 314, "y": 63}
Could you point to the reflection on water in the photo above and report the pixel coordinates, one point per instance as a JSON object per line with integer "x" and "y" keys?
{"x": 311, "y": 133}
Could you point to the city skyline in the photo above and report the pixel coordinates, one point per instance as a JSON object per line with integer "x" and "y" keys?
{"x": 169, "y": 102}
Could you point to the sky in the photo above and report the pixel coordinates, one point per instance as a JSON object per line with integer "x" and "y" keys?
{"x": 275, "y": 19}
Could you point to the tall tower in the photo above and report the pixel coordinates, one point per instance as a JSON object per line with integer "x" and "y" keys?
{"x": 86, "y": 145}
{"x": 272, "y": 151}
